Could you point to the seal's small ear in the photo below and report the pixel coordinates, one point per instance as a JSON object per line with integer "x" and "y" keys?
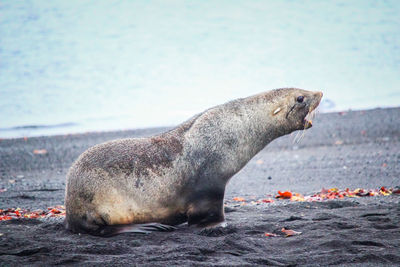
{"x": 277, "y": 110}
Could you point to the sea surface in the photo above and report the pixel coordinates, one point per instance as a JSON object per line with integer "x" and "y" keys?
{"x": 77, "y": 66}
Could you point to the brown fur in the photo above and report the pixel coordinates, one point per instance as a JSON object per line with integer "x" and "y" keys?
{"x": 179, "y": 175}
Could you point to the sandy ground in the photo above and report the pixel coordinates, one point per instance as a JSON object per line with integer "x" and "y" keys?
{"x": 345, "y": 150}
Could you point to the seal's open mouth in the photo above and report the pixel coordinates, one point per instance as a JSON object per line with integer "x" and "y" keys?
{"x": 311, "y": 112}
{"x": 307, "y": 122}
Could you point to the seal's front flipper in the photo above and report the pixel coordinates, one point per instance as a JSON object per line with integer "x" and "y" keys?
{"x": 220, "y": 229}
{"x": 207, "y": 209}
{"x": 146, "y": 228}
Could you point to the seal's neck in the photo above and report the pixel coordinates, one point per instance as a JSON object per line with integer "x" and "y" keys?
{"x": 228, "y": 136}
{"x": 257, "y": 125}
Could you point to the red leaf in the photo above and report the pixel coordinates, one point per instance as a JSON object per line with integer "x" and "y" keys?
{"x": 290, "y": 232}
{"x": 267, "y": 200}
{"x": 285, "y": 194}
{"x": 40, "y": 151}
{"x": 270, "y": 234}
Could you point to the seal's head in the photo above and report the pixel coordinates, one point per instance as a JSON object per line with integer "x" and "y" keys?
{"x": 293, "y": 107}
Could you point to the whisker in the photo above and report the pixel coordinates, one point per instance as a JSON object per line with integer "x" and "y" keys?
{"x": 293, "y": 136}
{"x": 302, "y": 135}
{"x": 297, "y": 137}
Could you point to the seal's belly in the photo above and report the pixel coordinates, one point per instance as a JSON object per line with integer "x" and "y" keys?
{"x": 116, "y": 208}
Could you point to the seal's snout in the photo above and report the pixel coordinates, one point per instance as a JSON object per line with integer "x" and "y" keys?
{"x": 318, "y": 96}
{"x": 317, "y": 99}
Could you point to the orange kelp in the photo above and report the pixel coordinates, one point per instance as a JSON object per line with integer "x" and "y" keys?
{"x": 325, "y": 194}
{"x": 18, "y": 213}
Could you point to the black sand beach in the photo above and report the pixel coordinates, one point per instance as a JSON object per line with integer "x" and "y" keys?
{"x": 359, "y": 149}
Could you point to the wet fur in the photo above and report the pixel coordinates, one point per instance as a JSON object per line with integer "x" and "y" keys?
{"x": 179, "y": 175}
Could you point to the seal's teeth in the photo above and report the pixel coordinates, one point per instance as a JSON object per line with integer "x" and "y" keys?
{"x": 307, "y": 117}
{"x": 310, "y": 116}
{"x": 307, "y": 124}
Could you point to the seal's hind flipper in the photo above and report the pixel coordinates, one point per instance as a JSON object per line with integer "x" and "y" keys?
{"x": 146, "y": 228}
{"x": 151, "y": 227}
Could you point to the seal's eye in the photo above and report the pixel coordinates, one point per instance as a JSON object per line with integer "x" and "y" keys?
{"x": 300, "y": 99}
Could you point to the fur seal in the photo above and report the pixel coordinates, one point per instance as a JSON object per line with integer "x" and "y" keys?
{"x": 144, "y": 184}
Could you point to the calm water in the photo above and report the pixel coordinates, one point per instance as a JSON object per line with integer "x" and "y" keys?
{"x": 76, "y": 66}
